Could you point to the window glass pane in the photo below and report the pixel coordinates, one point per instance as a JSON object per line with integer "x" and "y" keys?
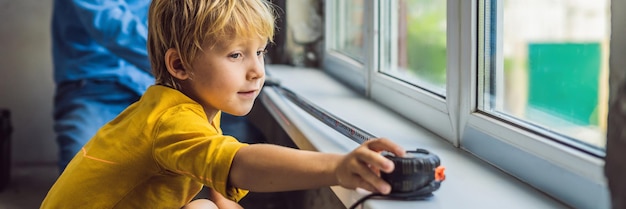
{"x": 547, "y": 65}
{"x": 414, "y": 42}
{"x": 348, "y": 28}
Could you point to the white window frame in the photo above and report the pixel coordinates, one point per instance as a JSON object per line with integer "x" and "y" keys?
{"x": 341, "y": 66}
{"x": 563, "y": 172}
{"x": 426, "y": 109}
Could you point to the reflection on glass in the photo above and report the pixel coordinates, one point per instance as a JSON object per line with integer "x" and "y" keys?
{"x": 349, "y": 28}
{"x": 414, "y": 42}
{"x": 548, "y": 66}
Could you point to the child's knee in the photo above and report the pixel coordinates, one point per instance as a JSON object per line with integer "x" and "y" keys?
{"x": 200, "y": 204}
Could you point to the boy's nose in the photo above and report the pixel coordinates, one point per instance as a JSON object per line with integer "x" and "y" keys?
{"x": 257, "y": 69}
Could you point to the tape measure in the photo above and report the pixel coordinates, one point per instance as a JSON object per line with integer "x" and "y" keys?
{"x": 415, "y": 176}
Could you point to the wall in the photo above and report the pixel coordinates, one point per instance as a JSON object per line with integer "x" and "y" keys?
{"x": 26, "y": 86}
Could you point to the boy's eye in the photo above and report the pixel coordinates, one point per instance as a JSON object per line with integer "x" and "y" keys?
{"x": 262, "y": 52}
{"x": 235, "y": 55}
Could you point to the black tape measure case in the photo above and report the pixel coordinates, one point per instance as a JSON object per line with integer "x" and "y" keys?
{"x": 5, "y": 148}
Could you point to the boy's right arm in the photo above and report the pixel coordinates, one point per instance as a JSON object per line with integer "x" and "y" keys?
{"x": 266, "y": 168}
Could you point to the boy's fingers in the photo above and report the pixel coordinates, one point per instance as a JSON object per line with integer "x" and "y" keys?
{"x": 376, "y": 170}
{"x": 383, "y": 144}
{"x": 367, "y": 186}
{"x": 371, "y": 180}
{"x": 363, "y": 166}
{"x": 376, "y": 160}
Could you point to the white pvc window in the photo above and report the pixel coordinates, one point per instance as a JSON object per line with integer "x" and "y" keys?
{"x": 522, "y": 85}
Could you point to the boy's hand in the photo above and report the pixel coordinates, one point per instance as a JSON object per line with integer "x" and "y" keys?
{"x": 361, "y": 167}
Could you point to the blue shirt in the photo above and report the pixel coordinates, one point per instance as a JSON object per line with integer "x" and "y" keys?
{"x": 95, "y": 39}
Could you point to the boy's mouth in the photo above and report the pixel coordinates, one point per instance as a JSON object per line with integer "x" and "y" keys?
{"x": 249, "y": 93}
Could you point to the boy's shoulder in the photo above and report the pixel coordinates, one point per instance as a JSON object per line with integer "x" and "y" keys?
{"x": 165, "y": 99}
{"x": 159, "y": 97}
{"x": 169, "y": 103}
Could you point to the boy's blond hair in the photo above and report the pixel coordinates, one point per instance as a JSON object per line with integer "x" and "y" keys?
{"x": 187, "y": 25}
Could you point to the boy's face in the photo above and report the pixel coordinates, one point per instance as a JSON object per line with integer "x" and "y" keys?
{"x": 229, "y": 76}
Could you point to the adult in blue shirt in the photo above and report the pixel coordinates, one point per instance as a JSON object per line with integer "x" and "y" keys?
{"x": 100, "y": 66}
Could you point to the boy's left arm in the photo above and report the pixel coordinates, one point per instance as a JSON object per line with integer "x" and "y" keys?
{"x": 266, "y": 168}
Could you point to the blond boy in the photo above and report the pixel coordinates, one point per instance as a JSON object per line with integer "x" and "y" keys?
{"x": 207, "y": 57}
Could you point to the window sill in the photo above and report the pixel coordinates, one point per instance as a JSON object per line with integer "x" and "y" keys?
{"x": 470, "y": 182}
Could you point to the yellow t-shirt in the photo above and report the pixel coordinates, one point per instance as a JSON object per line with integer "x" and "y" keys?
{"x": 156, "y": 154}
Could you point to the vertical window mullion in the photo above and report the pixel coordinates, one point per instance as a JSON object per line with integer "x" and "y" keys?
{"x": 370, "y": 28}
{"x": 459, "y": 21}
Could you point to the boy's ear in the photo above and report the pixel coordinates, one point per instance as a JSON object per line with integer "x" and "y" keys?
{"x": 175, "y": 65}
